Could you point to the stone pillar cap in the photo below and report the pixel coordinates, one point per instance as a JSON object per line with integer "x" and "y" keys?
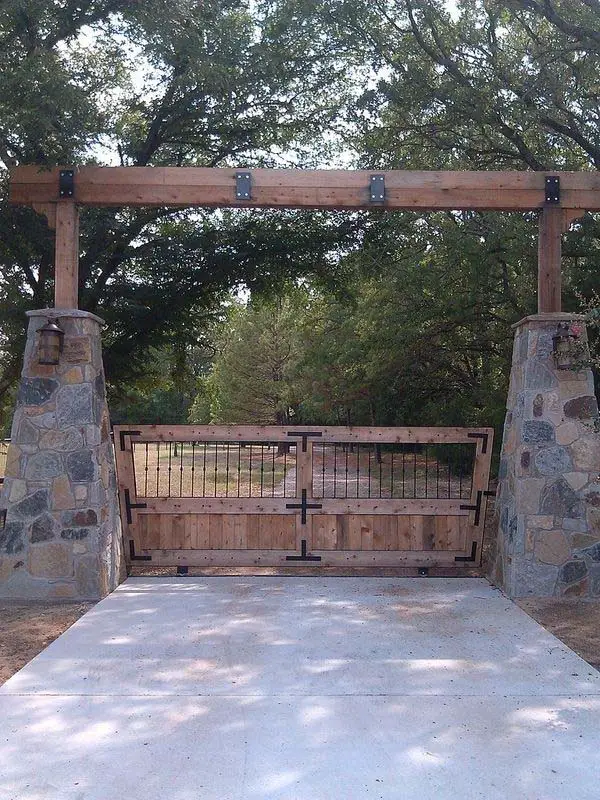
{"x": 65, "y": 313}
{"x": 554, "y": 316}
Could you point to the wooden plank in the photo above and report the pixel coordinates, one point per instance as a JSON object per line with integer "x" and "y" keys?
{"x": 549, "y": 260}
{"x": 428, "y": 533}
{"x": 215, "y": 528}
{"x": 333, "y": 189}
{"x": 278, "y": 433}
{"x": 178, "y": 531}
{"x": 66, "y": 256}
{"x": 384, "y": 528}
{"x": 253, "y": 531}
{"x": 166, "y": 531}
{"x": 366, "y": 532}
{"x": 416, "y": 532}
{"x": 404, "y": 540}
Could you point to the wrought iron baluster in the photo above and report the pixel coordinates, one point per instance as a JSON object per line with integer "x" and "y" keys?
{"x": 227, "y": 472}
{"x": 204, "y": 471}
{"x": 426, "y": 470}
{"x": 157, "y": 468}
{"x": 146, "y": 473}
{"x": 274, "y": 445}
{"x": 392, "y": 472}
{"x": 181, "y": 469}
{"x": 250, "y": 473}
{"x": 216, "y": 466}
{"x": 170, "y": 468}
{"x": 357, "y": 469}
{"x": 346, "y": 481}
{"x": 262, "y": 467}
{"x": 239, "y": 468}
{"x": 193, "y": 466}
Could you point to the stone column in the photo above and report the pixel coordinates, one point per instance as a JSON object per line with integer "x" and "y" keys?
{"x": 549, "y": 492}
{"x": 61, "y": 536}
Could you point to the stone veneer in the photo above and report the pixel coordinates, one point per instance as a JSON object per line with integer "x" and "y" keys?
{"x": 548, "y": 498}
{"x": 61, "y": 536}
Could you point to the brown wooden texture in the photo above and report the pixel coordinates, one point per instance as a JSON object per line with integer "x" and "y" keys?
{"x": 551, "y": 224}
{"x": 252, "y": 530}
{"x": 333, "y": 189}
{"x": 66, "y": 256}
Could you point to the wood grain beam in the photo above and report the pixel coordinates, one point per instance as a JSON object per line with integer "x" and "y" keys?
{"x": 66, "y": 256}
{"x": 326, "y": 189}
{"x": 549, "y": 260}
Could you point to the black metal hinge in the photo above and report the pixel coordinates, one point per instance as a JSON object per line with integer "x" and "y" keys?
{"x": 243, "y": 186}
{"x": 472, "y": 557}
{"x": 304, "y": 436}
{"x": 182, "y": 570}
{"x": 484, "y": 438}
{"x": 303, "y": 506}
{"x": 129, "y": 505}
{"x": 123, "y": 434}
{"x": 303, "y": 555}
{"x": 552, "y": 186}
{"x": 66, "y": 183}
{"x": 377, "y": 189}
{"x": 132, "y": 555}
{"x": 2, "y": 519}
{"x": 477, "y": 507}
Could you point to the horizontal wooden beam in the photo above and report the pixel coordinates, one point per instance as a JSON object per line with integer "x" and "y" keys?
{"x": 325, "y": 189}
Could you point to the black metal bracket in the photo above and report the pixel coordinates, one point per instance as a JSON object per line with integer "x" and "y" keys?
{"x": 477, "y": 507}
{"x": 377, "y": 189}
{"x": 123, "y": 434}
{"x": 552, "y": 186}
{"x": 2, "y": 519}
{"x": 303, "y": 506}
{"x": 182, "y": 570}
{"x": 303, "y": 555}
{"x": 484, "y": 438}
{"x": 129, "y": 505}
{"x": 304, "y": 435}
{"x": 472, "y": 557}
{"x": 66, "y": 183}
{"x": 132, "y": 555}
{"x": 424, "y": 571}
{"x": 243, "y": 186}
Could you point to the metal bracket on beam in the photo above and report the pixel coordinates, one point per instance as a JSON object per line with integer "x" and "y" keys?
{"x": 66, "y": 183}
{"x": 552, "y": 184}
{"x": 377, "y": 188}
{"x": 470, "y": 558}
{"x": 243, "y": 186}
{"x": 123, "y": 434}
{"x": 132, "y": 555}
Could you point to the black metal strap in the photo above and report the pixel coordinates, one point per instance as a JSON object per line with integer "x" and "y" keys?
{"x": 129, "y": 505}
{"x": 123, "y": 434}
{"x": 483, "y": 436}
{"x": 377, "y": 189}
{"x": 552, "y": 187}
{"x": 132, "y": 555}
{"x": 303, "y": 554}
{"x": 304, "y": 505}
{"x": 477, "y": 507}
{"x": 304, "y": 436}
{"x": 243, "y": 186}
{"x": 472, "y": 557}
{"x": 66, "y": 183}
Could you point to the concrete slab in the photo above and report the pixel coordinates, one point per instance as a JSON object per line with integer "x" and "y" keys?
{"x": 302, "y": 688}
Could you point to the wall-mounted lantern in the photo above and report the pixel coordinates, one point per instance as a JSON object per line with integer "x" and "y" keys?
{"x": 566, "y": 345}
{"x": 50, "y": 343}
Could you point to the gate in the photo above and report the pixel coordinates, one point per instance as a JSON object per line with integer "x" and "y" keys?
{"x": 240, "y": 495}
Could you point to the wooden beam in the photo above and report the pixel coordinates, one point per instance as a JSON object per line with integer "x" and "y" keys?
{"x": 549, "y": 259}
{"x": 66, "y": 256}
{"x": 326, "y": 189}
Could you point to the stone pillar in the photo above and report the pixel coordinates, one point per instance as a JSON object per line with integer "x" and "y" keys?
{"x": 61, "y": 536}
{"x": 549, "y": 492}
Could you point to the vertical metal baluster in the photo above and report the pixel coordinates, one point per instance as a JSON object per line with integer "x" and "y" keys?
{"x": 369, "y": 466}
{"x": 380, "y": 457}
{"x": 146, "y": 473}
{"x": 170, "y": 467}
{"x": 157, "y": 448}
{"x": 274, "y": 445}
{"x": 193, "y": 466}
{"x": 415, "y": 473}
{"x": 285, "y": 471}
{"x": 250, "y": 473}
{"x": 346, "y": 480}
{"x": 437, "y": 479}
{"x": 403, "y": 472}
{"x": 357, "y": 469}
{"x": 392, "y": 473}
{"x": 426, "y": 470}
{"x": 335, "y": 452}
{"x": 227, "y": 473}
{"x": 239, "y": 468}
{"x": 216, "y": 465}
{"x": 262, "y": 467}
{"x": 204, "y": 471}
{"x": 181, "y": 469}
{"x": 460, "y": 473}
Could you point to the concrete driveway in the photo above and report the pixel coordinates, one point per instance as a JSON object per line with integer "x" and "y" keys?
{"x": 303, "y": 689}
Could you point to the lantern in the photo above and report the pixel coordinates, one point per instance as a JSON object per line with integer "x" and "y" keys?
{"x": 50, "y": 343}
{"x": 566, "y": 347}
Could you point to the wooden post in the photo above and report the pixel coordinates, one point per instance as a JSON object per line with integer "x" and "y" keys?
{"x": 549, "y": 255}
{"x": 66, "y": 256}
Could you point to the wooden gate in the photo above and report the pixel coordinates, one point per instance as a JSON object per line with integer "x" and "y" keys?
{"x": 252, "y": 495}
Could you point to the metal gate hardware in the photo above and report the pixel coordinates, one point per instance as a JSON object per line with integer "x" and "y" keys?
{"x": 303, "y": 505}
{"x": 303, "y": 556}
{"x": 243, "y": 186}
{"x": 66, "y": 183}
{"x": 484, "y": 438}
{"x": 182, "y": 570}
{"x": 132, "y": 555}
{"x": 472, "y": 557}
{"x": 424, "y": 572}
{"x": 304, "y": 435}
{"x": 129, "y": 505}
{"x": 377, "y": 188}
{"x": 552, "y": 184}
{"x": 477, "y": 507}
{"x": 123, "y": 434}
